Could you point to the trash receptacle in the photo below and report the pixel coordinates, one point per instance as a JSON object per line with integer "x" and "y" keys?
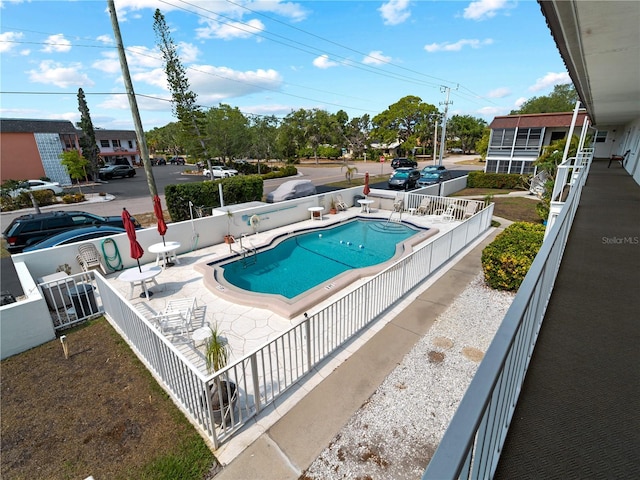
{"x": 83, "y": 299}
{"x": 356, "y": 198}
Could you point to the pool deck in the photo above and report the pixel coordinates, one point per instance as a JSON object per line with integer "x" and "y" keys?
{"x": 249, "y": 327}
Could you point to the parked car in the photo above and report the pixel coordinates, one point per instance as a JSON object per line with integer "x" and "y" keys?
{"x": 403, "y": 163}
{"x": 433, "y": 177}
{"x": 404, "y": 179}
{"x": 158, "y": 161}
{"x": 292, "y": 189}
{"x": 75, "y": 235}
{"x": 432, "y": 168}
{"x": 220, "y": 171}
{"x": 456, "y": 150}
{"x": 177, "y": 161}
{"x": 29, "y": 229}
{"x": 35, "y": 185}
{"x": 113, "y": 171}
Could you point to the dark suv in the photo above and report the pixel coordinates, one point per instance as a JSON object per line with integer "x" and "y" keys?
{"x": 29, "y": 229}
{"x": 112, "y": 171}
{"x": 403, "y": 162}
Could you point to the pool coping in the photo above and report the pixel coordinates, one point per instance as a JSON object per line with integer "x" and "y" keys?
{"x": 308, "y": 300}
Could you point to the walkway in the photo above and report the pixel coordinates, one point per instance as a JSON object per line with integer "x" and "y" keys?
{"x": 577, "y": 416}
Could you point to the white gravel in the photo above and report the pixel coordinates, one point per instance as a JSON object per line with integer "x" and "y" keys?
{"x": 394, "y": 434}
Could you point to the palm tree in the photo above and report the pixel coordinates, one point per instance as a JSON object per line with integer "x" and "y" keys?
{"x": 350, "y": 171}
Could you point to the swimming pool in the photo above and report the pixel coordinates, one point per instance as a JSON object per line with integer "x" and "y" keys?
{"x": 306, "y": 267}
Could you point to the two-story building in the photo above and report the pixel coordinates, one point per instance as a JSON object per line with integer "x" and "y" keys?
{"x": 31, "y": 148}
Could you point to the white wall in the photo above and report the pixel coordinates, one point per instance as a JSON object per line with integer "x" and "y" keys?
{"x": 27, "y": 323}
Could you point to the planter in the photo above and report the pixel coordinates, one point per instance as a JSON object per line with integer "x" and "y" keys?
{"x": 228, "y": 239}
{"x": 333, "y": 211}
{"x": 223, "y": 400}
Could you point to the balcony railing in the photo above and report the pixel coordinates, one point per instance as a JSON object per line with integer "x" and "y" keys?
{"x": 471, "y": 446}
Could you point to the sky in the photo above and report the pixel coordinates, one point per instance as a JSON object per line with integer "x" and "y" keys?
{"x": 481, "y": 58}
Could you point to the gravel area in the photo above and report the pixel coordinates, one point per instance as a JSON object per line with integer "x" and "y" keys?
{"x": 397, "y": 430}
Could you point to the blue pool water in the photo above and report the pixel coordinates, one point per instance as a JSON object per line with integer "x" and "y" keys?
{"x": 304, "y": 261}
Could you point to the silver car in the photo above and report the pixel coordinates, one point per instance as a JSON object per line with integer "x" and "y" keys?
{"x": 292, "y": 189}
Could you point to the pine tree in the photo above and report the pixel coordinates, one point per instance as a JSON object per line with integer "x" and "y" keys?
{"x": 183, "y": 99}
{"x": 88, "y": 144}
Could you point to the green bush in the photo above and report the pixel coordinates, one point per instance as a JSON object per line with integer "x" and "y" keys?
{"x": 239, "y": 189}
{"x": 510, "y": 181}
{"x": 507, "y": 259}
{"x": 73, "y": 198}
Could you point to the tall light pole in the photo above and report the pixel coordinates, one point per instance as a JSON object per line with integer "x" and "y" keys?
{"x": 444, "y": 122}
{"x": 142, "y": 143}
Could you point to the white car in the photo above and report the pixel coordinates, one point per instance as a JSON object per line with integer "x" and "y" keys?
{"x": 220, "y": 171}
{"x": 291, "y": 189}
{"x": 35, "y": 185}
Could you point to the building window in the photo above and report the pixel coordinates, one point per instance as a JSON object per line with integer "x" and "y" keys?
{"x": 528, "y": 139}
{"x": 601, "y": 136}
{"x": 130, "y": 144}
{"x": 115, "y": 143}
{"x": 69, "y": 141}
{"x": 104, "y": 143}
{"x": 555, "y": 136}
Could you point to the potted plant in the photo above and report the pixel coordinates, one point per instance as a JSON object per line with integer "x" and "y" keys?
{"x": 222, "y": 392}
{"x": 332, "y": 207}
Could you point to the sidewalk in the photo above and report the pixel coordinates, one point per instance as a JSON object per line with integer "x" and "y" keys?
{"x": 288, "y": 447}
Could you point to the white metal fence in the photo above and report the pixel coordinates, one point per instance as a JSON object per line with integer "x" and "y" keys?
{"x": 256, "y": 380}
{"x": 472, "y": 444}
{"x": 71, "y": 299}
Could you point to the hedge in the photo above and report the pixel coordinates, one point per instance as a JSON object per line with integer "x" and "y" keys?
{"x": 238, "y": 189}
{"x": 507, "y": 259}
{"x": 509, "y": 181}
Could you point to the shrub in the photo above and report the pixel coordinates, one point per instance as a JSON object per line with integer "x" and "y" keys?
{"x": 507, "y": 259}
{"x": 509, "y": 181}
{"x": 73, "y": 198}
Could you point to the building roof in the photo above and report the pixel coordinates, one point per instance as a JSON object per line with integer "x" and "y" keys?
{"x": 103, "y": 134}
{"x": 533, "y": 120}
{"x": 23, "y": 125}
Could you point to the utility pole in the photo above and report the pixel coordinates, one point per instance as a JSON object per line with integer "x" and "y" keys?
{"x": 142, "y": 143}
{"x": 435, "y": 135}
{"x": 444, "y": 121}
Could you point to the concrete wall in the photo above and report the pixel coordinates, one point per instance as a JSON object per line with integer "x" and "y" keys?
{"x": 27, "y": 323}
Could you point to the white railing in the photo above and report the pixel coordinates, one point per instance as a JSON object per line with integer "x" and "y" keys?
{"x": 472, "y": 444}
{"x": 262, "y": 376}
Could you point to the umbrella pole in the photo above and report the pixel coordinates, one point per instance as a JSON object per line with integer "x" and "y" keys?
{"x": 139, "y": 267}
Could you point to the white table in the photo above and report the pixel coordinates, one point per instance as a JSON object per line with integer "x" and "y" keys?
{"x": 167, "y": 252}
{"x": 364, "y": 205}
{"x": 136, "y": 277}
{"x": 201, "y": 336}
{"x": 316, "y": 212}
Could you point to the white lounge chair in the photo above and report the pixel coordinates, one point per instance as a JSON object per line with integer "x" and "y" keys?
{"x": 448, "y": 214}
{"x": 177, "y": 316}
{"x": 340, "y": 203}
{"x": 423, "y": 208}
{"x": 89, "y": 258}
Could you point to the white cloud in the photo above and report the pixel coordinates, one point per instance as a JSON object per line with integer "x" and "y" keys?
{"x": 188, "y": 53}
{"x": 56, "y": 43}
{"x": 482, "y": 9}
{"x": 376, "y": 57}
{"x": 6, "y": 40}
{"x": 395, "y": 12}
{"x": 106, "y": 39}
{"x": 520, "y": 101}
{"x": 227, "y": 30}
{"x": 323, "y": 62}
{"x": 54, "y": 73}
{"x": 457, "y": 46}
{"x": 499, "y": 93}
{"x": 213, "y": 84}
{"x": 490, "y": 112}
{"x": 549, "y": 80}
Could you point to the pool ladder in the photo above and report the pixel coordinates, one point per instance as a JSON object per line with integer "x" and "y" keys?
{"x": 250, "y": 254}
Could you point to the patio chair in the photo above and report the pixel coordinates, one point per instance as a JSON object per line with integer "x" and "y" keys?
{"x": 424, "y": 206}
{"x": 89, "y": 258}
{"x": 470, "y": 210}
{"x": 177, "y": 316}
{"x": 619, "y": 158}
{"x": 448, "y": 214}
{"x": 340, "y": 203}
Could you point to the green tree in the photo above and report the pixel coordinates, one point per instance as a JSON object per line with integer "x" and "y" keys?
{"x": 357, "y": 134}
{"x": 75, "y": 164}
{"x": 562, "y": 99}
{"x": 228, "y": 131}
{"x": 183, "y": 99}
{"x": 263, "y": 134}
{"x": 88, "y": 144}
{"x": 466, "y": 128}
{"x": 409, "y": 120}
{"x": 482, "y": 145}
